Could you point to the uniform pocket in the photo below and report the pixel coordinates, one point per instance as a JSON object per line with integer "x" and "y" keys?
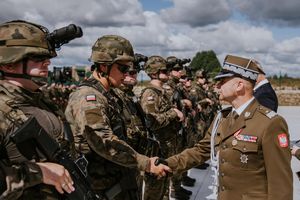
{"x": 246, "y": 147}
{"x": 256, "y": 196}
{"x": 246, "y": 156}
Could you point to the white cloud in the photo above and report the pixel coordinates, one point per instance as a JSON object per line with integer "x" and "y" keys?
{"x": 87, "y": 13}
{"x": 275, "y": 11}
{"x": 197, "y": 12}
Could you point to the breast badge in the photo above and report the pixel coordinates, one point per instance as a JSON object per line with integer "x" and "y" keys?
{"x": 244, "y": 158}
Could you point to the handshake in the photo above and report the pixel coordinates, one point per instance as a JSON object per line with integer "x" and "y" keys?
{"x": 159, "y": 167}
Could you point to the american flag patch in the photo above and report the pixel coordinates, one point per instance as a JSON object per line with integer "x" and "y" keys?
{"x": 246, "y": 138}
{"x": 282, "y": 139}
{"x": 90, "y": 97}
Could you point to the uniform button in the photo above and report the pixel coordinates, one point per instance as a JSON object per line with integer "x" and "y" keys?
{"x": 222, "y": 160}
{"x": 224, "y": 146}
{"x": 222, "y": 188}
{"x": 244, "y": 148}
{"x": 222, "y": 174}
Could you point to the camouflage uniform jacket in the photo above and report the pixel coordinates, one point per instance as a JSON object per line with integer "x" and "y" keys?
{"x": 135, "y": 127}
{"x": 99, "y": 133}
{"x": 174, "y": 92}
{"x": 248, "y": 146}
{"x": 16, "y": 105}
{"x": 160, "y": 117}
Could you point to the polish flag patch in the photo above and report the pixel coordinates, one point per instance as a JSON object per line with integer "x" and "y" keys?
{"x": 90, "y": 97}
{"x": 282, "y": 139}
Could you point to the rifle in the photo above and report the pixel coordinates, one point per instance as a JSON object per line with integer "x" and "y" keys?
{"x": 31, "y": 137}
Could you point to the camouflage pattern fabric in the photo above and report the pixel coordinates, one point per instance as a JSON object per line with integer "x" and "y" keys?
{"x": 18, "y": 178}
{"x": 23, "y": 39}
{"x": 110, "y": 49}
{"x": 16, "y": 105}
{"x": 99, "y": 133}
{"x": 162, "y": 120}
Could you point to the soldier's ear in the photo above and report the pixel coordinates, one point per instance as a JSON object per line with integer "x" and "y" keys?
{"x": 10, "y": 67}
{"x": 103, "y": 68}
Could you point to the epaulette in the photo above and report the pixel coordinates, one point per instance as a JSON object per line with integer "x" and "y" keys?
{"x": 267, "y": 112}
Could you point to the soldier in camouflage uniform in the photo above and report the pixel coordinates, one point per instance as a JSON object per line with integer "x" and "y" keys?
{"x": 162, "y": 119}
{"x": 138, "y": 137}
{"x": 206, "y": 105}
{"x": 25, "y": 57}
{"x": 174, "y": 89}
{"x": 200, "y": 102}
{"x": 98, "y": 123}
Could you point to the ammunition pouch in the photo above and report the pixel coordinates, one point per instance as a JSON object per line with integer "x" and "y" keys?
{"x": 149, "y": 147}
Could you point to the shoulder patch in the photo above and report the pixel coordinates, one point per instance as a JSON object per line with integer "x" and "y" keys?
{"x": 282, "y": 139}
{"x": 90, "y": 97}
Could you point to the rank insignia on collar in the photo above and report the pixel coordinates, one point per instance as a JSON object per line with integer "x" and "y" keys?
{"x": 244, "y": 158}
{"x": 247, "y": 114}
{"x": 90, "y": 97}
{"x": 282, "y": 139}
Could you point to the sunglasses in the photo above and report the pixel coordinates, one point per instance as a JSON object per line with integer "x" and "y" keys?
{"x": 123, "y": 68}
{"x": 38, "y": 58}
{"x": 176, "y": 69}
{"x": 163, "y": 71}
{"x": 132, "y": 72}
{"x": 184, "y": 77}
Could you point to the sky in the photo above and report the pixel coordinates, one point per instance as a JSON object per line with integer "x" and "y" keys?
{"x": 268, "y": 30}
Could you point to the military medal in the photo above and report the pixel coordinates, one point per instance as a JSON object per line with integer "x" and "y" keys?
{"x": 244, "y": 158}
{"x": 234, "y": 142}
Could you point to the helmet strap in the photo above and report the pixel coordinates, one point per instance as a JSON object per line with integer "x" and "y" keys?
{"x": 36, "y": 79}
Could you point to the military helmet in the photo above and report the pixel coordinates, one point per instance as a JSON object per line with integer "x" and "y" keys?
{"x": 110, "y": 49}
{"x": 20, "y": 39}
{"x": 154, "y": 64}
{"x": 173, "y": 62}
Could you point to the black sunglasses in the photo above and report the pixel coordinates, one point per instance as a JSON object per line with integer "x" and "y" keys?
{"x": 183, "y": 77}
{"x": 123, "y": 68}
{"x": 38, "y": 58}
{"x": 132, "y": 72}
{"x": 176, "y": 69}
{"x": 163, "y": 71}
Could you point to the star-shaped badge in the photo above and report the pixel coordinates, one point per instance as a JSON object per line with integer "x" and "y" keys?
{"x": 244, "y": 158}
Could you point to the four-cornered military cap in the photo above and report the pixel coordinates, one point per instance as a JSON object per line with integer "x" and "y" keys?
{"x": 238, "y": 66}
{"x": 260, "y": 69}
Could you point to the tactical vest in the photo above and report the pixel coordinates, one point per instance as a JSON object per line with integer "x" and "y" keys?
{"x": 108, "y": 176}
{"x": 16, "y": 106}
{"x": 164, "y": 134}
{"x": 115, "y": 108}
